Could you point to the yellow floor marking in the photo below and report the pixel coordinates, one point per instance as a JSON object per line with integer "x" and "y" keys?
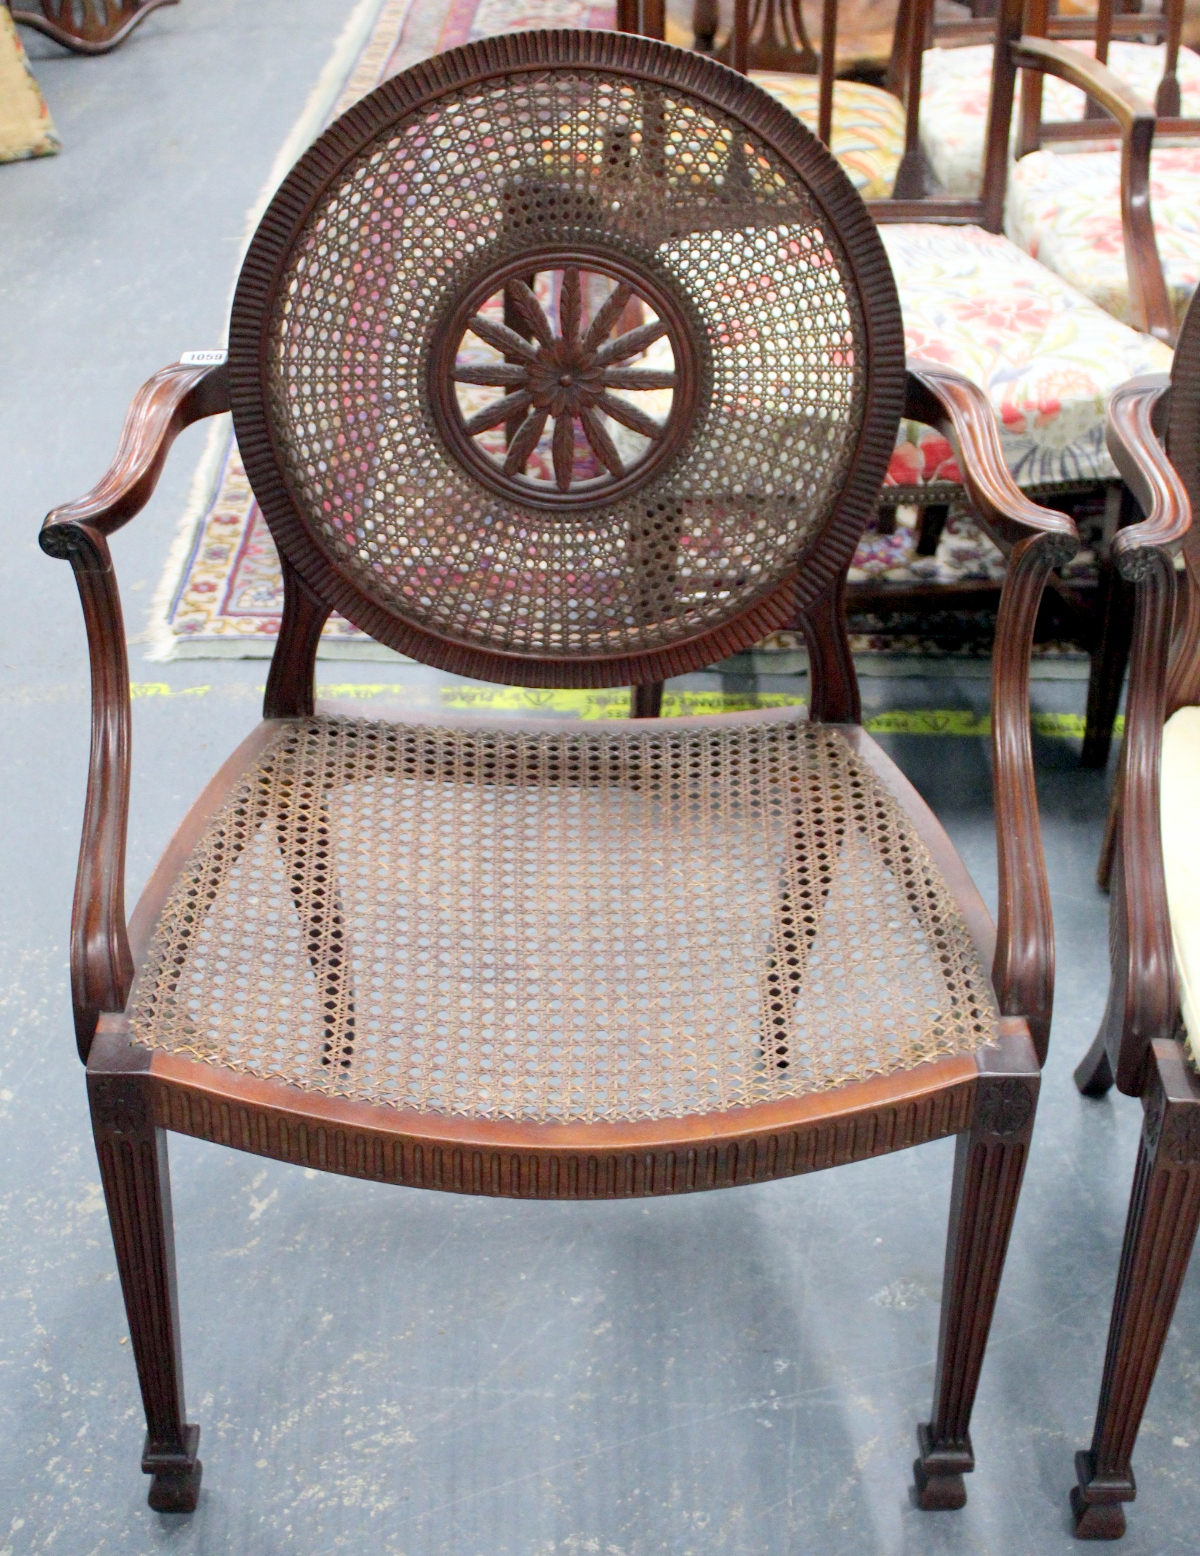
{"x": 614, "y": 703}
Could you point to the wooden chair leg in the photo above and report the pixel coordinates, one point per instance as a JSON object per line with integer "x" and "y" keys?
{"x": 989, "y": 1164}
{"x": 705, "y": 20}
{"x": 137, "y": 1190}
{"x": 1112, "y": 828}
{"x": 1110, "y": 653}
{"x": 1164, "y": 1210}
{"x": 645, "y": 702}
{"x": 929, "y": 532}
{"x": 1093, "y": 1073}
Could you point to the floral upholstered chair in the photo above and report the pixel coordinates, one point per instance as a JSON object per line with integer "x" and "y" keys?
{"x": 1045, "y": 354}
{"x": 26, "y": 128}
{"x": 954, "y": 95}
{"x": 1065, "y": 203}
{"x": 865, "y": 127}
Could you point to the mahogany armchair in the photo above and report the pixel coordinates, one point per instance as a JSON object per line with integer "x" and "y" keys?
{"x": 531, "y": 958}
{"x": 84, "y": 26}
{"x": 1149, "y": 1038}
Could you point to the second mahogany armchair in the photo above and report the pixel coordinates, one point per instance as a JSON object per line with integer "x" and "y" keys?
{"x": 1149, "y": 1040}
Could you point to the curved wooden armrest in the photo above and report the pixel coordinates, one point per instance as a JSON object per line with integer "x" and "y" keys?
{"x": 942, "y": 398}
{"x": 1137, "y": 420}
{"x": 1089, "y": 75}
{"x": 1036, "y": 541}
{"x": 1135, "y": 119}
{"x": 167, "y": 403}
{"x": 1136, "y": 415}
{"x": 1143, "y": 1000}
{"x": 101, "y": 964}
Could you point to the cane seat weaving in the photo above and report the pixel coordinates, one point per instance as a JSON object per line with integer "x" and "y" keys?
{"x": 560, "y": 376}
{"x": 602, "y": 922}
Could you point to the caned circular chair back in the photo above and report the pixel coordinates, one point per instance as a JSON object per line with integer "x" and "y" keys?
{"x": 566, "y": 359}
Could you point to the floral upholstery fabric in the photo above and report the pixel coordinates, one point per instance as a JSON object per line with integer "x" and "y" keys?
{"x": 954, "y": 102}
{"x": 1046, "y": 356}
{"x": 26, "y": 128}
{"x": 868, "y": 126}
{"x": 1066, "y": 211}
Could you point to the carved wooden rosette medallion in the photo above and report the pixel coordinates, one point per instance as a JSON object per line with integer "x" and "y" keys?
{"x": 575, "y": 365}
{"x": 1181, "y": 1138}
{"x": 1003, "y": 1108}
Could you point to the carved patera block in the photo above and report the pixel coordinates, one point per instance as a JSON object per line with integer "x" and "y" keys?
{"x": 1003, "y": 1107}
{"x": 122, "y": 1105}
{"x": 1181, "y": 1137}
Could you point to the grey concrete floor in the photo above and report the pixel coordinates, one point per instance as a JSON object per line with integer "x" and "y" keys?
{"x": 385, "y": 1370}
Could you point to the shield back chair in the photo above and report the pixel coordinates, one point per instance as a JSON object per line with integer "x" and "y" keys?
{"x": 1149, "y": 1040}
{"x": 531, "y": 958}
{"x": 863, "y": 123}
{"x": 84, "y": 26}
{"x": 1045, "y": 355}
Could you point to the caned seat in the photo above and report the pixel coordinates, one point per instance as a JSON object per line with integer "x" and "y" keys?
{"x": 604, "y": 922}
{"x": 565, "y": 359}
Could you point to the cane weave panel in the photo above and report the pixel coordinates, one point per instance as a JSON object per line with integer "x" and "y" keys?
{"x": 578, "y": 924}
{"x": 568, "y": 159}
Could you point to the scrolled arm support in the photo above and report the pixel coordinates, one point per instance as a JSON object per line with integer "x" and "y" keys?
{"x": 101, "y": 963}
{"x": 167, "y": 403}
{"x": 1143, "y": 999}
{"x": 1036, "y": 541}
{"x": 1136, "y": 120}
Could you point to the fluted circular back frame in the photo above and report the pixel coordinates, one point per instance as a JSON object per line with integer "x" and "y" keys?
{"x": 651, "y": 164}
